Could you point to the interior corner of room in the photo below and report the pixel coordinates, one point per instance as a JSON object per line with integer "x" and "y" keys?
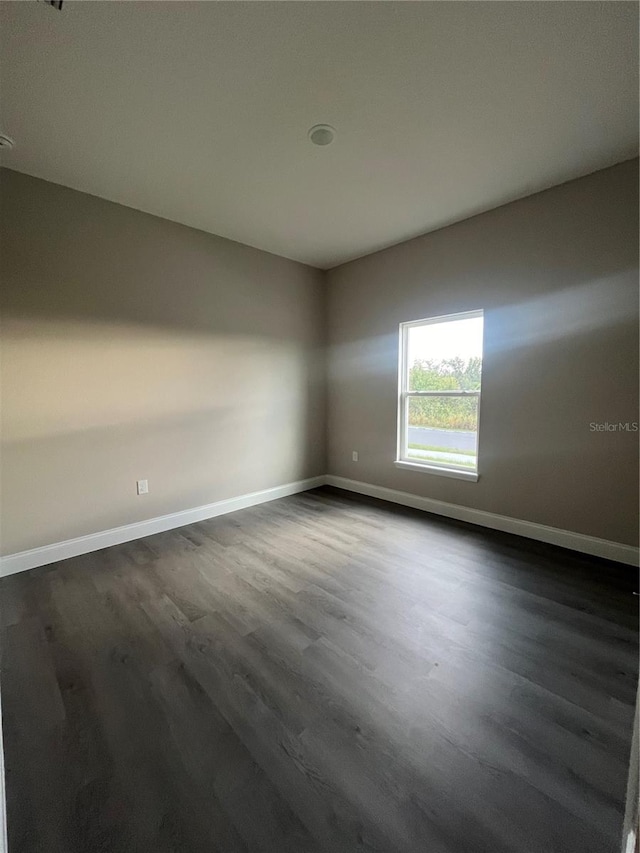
{"x": 319, "y": 427}
{"x": 216, "y": 371}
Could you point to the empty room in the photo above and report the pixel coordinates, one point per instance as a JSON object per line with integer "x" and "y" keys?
{"x": 319, "y": 417}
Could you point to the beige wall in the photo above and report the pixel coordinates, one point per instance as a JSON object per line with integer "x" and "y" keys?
{"x": 557, "y": 276}
{"x": 133, "y": 347}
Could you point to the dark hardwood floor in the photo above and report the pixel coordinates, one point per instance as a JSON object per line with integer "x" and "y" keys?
{"x": 321, "y": 673}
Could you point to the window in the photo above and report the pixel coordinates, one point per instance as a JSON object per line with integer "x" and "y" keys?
{"x": 439, "y": 394}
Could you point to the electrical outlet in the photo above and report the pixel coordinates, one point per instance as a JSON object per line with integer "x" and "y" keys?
{"x": 354, "y": 455}
{"x": 143, "y": 487}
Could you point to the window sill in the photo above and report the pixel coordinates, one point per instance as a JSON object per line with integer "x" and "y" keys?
{"x": 471, "y": 476}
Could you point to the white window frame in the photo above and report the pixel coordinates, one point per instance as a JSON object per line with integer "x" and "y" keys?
{"x": 402, "y": 459}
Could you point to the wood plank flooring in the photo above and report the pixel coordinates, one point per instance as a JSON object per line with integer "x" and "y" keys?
{"x": 321, "y": 673}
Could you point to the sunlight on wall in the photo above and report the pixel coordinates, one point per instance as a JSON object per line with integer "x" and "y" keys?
{"x": 90, "y": 407}
{"x": 578, "y": 310}
{"x": 61, "y": 377}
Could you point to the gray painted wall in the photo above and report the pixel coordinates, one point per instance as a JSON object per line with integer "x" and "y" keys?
{"x": 557, "y": 276}
{"x": 133, "y": 347}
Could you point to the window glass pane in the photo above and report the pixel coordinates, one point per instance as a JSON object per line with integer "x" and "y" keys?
{"x": 442, "y": 431}
{"x": 445, "y": 356}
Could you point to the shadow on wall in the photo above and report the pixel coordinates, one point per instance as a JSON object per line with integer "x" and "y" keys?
{"x": 136, "y": 348}
{"x": 556, "y": 275}
{"x": 68, "y": 377}
{"x": 71, "y": 256}
{"x": 552, "y": 368}
{"x": 89, "y": 408}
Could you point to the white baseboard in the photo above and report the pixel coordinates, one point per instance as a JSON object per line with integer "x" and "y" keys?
{"x": 95, "y": 541}
{"x": 552, "y": 535}
{"x": 35, "y": 557}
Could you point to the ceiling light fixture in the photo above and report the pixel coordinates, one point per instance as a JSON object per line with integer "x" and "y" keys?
{"x": 6, "y": 142}
{"x": 322, "y": 134}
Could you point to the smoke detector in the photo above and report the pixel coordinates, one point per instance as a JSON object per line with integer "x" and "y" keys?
{"x": 322, "y": 134}
{"x": 6, "y": 143}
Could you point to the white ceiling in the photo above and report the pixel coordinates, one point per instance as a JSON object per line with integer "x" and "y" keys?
{"x": 199, "y": 112}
